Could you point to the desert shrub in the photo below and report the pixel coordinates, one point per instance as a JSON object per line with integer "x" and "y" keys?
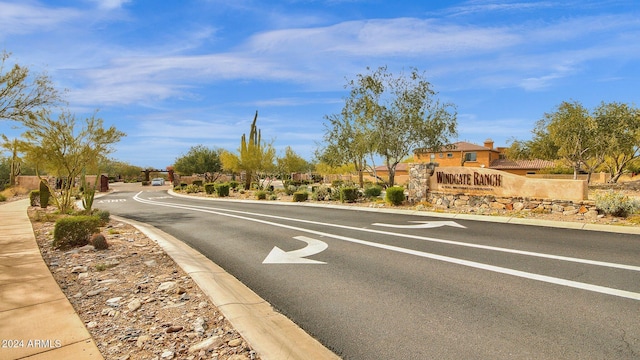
{"x": 373, "y": 191}
{"x": 395, "y": 195}
{"x": 210, "y": 188}
{"x": 197, "y": 182}
{"x": 192, "y": 189}
{"x": 322, "y": 193}
{"x": 273, "y": 197}
{"x": 261, "y": 195}
{"x": 300, "y": 196}
{"x": 45, "y": 194}
{"x": 99, "y": 242}
{"x": 74, "y": 231}
{"x": 234, "y": 184}
{"x": 44, "y": 216}
{"x": 103, "y": 215}
{"x": 337, "y": 183}
{"x": 3, "y": 198}
{"x": 290, "y": 189}
{"x": 616, "y": 204}
{"x": 349, "y": 194}
{"x": 222, "y": 189}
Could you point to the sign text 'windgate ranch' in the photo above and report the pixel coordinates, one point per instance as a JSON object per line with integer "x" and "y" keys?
{"x": 475, "y": 179}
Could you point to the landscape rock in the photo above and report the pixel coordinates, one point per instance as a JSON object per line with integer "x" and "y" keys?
{"x": 149, "y": 299}
{"x": 166, "y": 286}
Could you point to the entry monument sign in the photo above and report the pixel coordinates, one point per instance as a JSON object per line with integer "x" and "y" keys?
{"x": 488, "y": 182}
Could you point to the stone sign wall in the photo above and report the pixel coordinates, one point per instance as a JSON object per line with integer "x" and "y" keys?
{"x": 486, "y": 182}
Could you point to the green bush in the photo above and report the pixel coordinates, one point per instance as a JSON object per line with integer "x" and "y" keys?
{"x": 3, "y": 198}
{"x": 74, "y": 231}
{"x": 34, "y": 197}
{"x": 300, "y": 196}
{"x": 395, "y": 195}
{"x": 349, "y": 194}
{"x": 373, "y": 191}
{"x": 210, "y": 188}
{"x": 234, "y": 184}
{"x": 322, "y": 193}
{"x": 197, "y": 182}
{"x": 337, "y": 183}
{"x": 273, "y": 197}
{"x": 616, "y": 204}
{"x": 222, "y": 189}
{"x": 261, "y": 195}
{"x": 44, "y": 194}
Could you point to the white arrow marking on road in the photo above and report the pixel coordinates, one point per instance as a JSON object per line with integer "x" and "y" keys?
{"x": 472, "y": 264}
{"x": 279, "y": 256}
{"x": 423, "y": 225}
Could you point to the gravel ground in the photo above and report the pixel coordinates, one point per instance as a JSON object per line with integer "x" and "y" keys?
{"x": 135, "y": 301}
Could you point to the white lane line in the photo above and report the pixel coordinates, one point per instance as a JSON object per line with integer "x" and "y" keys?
{"x": 472, "y": 264}
{"x": 435, "y": 240}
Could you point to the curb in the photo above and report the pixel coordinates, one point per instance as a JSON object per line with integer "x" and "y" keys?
{"x": 270, "y": 333}
{"x": 633, "y": 230}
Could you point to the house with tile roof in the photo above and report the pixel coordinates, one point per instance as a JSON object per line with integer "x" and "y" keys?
{"x": 467, "y": 154}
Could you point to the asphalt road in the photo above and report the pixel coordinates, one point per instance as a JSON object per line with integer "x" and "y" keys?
{"x": 373, "y": 285}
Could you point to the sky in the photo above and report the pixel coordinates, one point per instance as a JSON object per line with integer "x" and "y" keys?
{"x": 176, "y": 74}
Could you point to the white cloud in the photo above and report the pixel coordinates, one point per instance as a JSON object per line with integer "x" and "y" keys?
{"x": 110, "y": 4}
{"x": 28, "y": 17}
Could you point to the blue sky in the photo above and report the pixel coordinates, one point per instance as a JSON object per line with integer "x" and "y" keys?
{"x": 174, "y": 74}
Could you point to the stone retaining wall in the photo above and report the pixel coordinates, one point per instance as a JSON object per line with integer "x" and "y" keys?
{"x": 488, "y": 203}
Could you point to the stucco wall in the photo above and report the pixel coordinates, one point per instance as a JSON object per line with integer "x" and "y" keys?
{"x": 481, "y": 181}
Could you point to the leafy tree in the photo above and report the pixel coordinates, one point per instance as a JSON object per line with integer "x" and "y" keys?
{"x": 392, "y": 116}
{"x": 121, "y": 169}
{"x": 348, "y": 140}
{"x": 60, "y": 149}
{"x": 572, "y": 133}
{"x": 256, "y": 157}
{"x": 292, "y": 163}
{"x": 199, "y": 160}
{"x": 22, "y": 95}
{"x": 620, "y": 135}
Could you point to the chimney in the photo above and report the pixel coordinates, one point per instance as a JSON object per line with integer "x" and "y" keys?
{"x": 488, "y": 143}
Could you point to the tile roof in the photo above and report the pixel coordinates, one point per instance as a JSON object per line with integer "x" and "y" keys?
{"x": 503, "y": 164}
{"x": 399, "y": 167}
{"x": 459, "y": 146}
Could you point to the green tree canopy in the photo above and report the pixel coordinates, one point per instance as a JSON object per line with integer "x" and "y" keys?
{"x": 620, "y": 135}
{"x": 122, "y": 169}
{"x": 60, "y": 149}
{"x": 199, "y": 160}
{"x": 390, "y": 116}
{"x": 609, "y": 135}
{"x": 21, "y": 95}
{"x": 291, "y": 162}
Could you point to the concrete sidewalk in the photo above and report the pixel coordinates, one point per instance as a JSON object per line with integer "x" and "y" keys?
{"x": 38, "y": 322}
